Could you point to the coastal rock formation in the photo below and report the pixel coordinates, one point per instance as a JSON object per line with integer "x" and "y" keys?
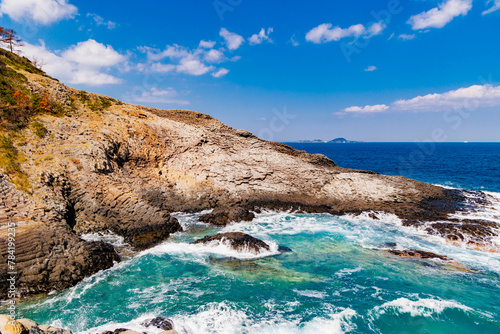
{"x": 48, "y": 255}
{"x": 237, "y": 240}
{"x": 88, "y": 163}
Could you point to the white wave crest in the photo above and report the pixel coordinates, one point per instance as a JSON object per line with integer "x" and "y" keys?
{"x": 311, "y": 293}
{"x": 109, "y": 237}
{"x": 221, "y": 318}
{"x": 420, "y": 307}
{"x": 222, "y": 248}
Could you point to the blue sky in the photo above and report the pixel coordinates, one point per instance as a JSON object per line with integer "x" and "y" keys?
{"x": 365, "y": 70}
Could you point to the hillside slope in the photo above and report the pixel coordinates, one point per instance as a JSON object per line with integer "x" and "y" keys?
{"x": 81, "y": 162}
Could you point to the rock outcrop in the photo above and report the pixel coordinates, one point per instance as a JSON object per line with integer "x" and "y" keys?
{"x": 27, "y": 326}
{"x": 11, "y": 326}
{"x": 236, "y": 240}
{"x": 48, "y": 255}
{"x": 95, "y": 164}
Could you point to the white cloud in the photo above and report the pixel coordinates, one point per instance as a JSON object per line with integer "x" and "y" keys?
{"x": 183, "y": 60}
{"x": 94, "y": 54}
{"x": 371, "y": 68}
{"x": 198, "y": 61}
{"x": 156, "y": 95}
{"x": 172, "y": 51}
{"x": 376, "y": 28}
{"x": 214, "y": 56}
{"x": 495, "y": 7}
{"x": 40, "y": 11}
{"x": 193, "y": 66}
{"x": 100, "y": 21}
{"x": 440, "y": 16}
{"x": 366, "y": 109}
{"x": 233, "y": 41}
{"x": 207, "y": 44}
{"x": 92, "y": 77}
{"x": 324, "y": 33}
{"x": 293, "y": 41}
{"x": 220, "y": 73}
{"x": 162, "y": 68}
{"x": 406, "y": 37}
{"x": 476, "y": 96}
{"x": 261, "y": 37}
{"x": 71, "y": 65}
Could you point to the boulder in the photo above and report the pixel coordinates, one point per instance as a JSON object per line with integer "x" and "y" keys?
{"x": 53, "y": 330}
{"x": 221, "y": 216}
{"x": 31, "y": 326}
{"x": 11, "y": 326}
{"x": 237, "y": 240}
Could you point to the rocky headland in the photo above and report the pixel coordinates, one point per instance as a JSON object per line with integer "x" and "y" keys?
{"x": 73, "y": 162}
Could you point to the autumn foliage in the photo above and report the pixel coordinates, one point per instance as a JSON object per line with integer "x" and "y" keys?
{"x": 21, "y": 98}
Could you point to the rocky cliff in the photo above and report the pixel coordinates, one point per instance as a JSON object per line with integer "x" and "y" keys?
{"x": 75, "y": 162}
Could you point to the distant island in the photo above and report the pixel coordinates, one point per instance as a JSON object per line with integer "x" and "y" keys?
{"x": 335, "y": 141}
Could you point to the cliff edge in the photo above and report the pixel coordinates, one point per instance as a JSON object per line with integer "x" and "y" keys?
{"x": 73, "y": 162}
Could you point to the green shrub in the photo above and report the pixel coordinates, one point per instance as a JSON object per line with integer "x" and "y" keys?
{"x": 105, "y": 103}
{"x": 10, "y": 163}
{"x": 39, "y": 129}
{"x": 84, "y": 97}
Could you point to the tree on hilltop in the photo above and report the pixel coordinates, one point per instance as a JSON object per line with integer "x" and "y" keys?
{"x": 10, "y": 37}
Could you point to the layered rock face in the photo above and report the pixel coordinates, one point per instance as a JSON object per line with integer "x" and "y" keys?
{"x": 48, "y": 255}
{"x": 125, "y": 168}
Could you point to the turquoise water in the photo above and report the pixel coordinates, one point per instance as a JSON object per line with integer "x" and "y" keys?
{"x": 338, "y": 279}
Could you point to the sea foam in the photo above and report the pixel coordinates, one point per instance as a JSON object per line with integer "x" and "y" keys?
{"x": 420, "y": 307}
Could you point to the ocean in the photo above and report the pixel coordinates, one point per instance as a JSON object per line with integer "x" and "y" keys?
{"x": 338, "y": 279}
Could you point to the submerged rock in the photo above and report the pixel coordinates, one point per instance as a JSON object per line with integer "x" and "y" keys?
{"x": 284, "y": 249}
{"x": 221, "y": 216}
{"x": 237, "y": 240}
{"x": 159, "y": 322}
{"x": 390, "y": 244}
{"x": 415, "y": 253}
